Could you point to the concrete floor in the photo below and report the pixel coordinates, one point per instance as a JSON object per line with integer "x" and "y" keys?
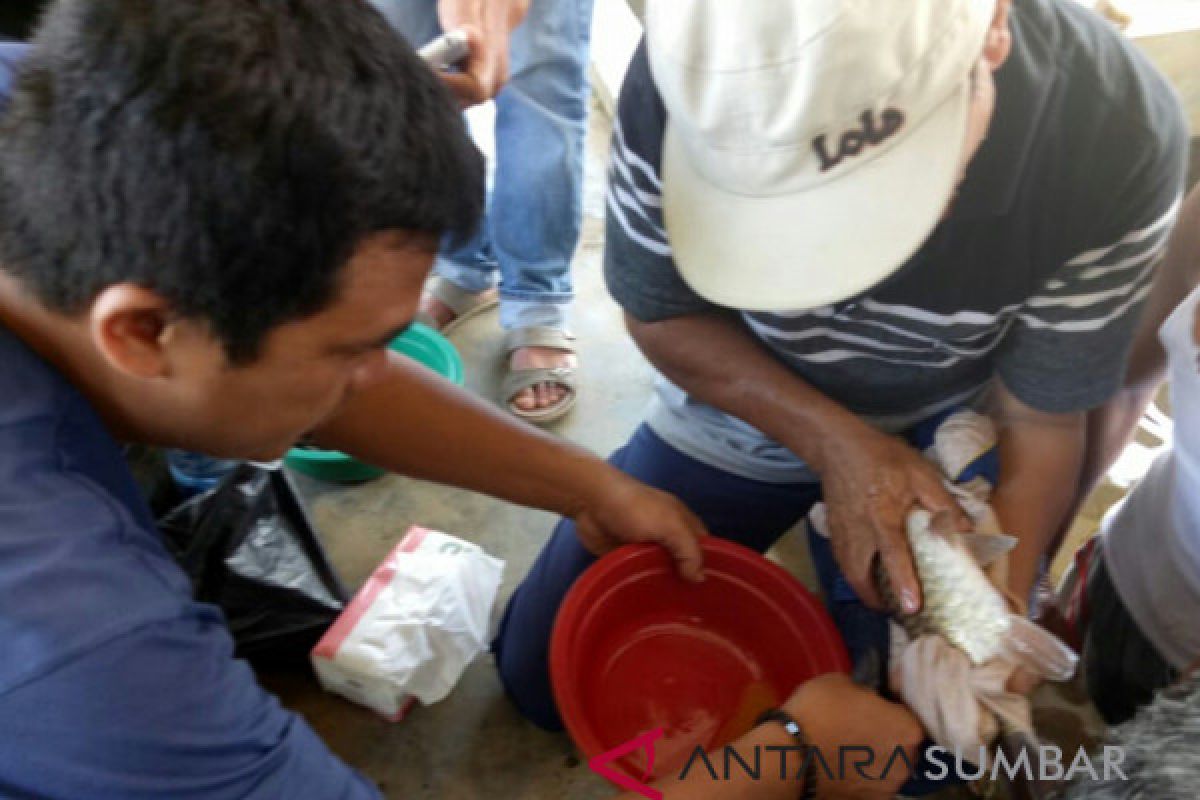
{"x": 473, "y": 744}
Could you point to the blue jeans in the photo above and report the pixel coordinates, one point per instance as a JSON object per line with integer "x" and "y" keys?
{"x": 531, "y": 230}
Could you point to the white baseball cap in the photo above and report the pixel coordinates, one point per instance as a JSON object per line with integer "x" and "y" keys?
{"x": 811, "y": 146}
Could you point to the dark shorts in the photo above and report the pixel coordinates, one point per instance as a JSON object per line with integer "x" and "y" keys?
{"x": 1122, "y": 668}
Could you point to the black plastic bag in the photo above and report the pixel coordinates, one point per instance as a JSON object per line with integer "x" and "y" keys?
{"x": 249, "y": 548}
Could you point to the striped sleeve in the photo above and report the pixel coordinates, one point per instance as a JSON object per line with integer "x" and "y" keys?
{"x": 1067, "y": 346}
{"x": 638, "y": 265}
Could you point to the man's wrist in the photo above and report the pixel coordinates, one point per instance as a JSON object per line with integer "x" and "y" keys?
{"x": 781, "y": 721}
{"x": 820, "y": 439}
{"x": 580, "y": 478}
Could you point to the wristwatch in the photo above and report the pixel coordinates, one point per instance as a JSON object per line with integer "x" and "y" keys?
{"x": 793, "y": 728}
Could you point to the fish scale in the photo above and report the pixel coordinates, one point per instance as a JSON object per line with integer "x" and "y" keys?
{"x": 958, "y": 600}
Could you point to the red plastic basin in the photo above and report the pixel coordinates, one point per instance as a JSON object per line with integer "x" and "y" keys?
{"x": 635, "y": 648}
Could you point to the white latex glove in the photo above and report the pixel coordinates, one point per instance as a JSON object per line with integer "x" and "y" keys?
{"x": 963, "y": 707}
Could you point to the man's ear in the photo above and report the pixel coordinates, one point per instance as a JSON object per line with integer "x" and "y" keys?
{"x": 998, "y": 45}
{"x": 130, "y": 326}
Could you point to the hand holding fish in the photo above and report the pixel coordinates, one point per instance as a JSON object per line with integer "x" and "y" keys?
{"x": 966, "y": 661}
{"x": 871, "y": 483}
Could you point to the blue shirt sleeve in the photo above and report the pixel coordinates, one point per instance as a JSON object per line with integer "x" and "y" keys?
{"x": 163, "y": 712}
{"x": 11, "y": 54}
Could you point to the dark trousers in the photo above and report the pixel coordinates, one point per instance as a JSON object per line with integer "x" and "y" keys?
{"x": 752, "y": 513}
{"x": 749, "y": 512}
{"x": 1123, "y": 669}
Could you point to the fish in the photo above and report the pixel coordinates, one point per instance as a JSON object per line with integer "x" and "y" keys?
{"x": 959, "y": 601}
{"x": 961, "y": 604}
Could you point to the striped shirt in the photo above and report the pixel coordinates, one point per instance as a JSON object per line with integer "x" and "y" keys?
{"x": 1036, "y": 277}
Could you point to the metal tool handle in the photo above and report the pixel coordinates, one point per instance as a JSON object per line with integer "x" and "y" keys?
{"x": 446, "y": 50}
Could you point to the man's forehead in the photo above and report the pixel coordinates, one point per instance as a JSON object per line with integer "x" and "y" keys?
{"x": 376, "y": 294}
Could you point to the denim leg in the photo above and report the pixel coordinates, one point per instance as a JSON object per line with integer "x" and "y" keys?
{"x": 534, "y": 314}
{"x": 415, "y": 20}
{"x": 752, "y": 513}
{"x": 534, "y": 215}
{"x": 470, "y": 265}
{"x": 541, "y": 123}
{"x": 469, "y": 268}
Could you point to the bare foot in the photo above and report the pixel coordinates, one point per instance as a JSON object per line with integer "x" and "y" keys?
{"x": 438, "y": 311}
{"x": 543, "y": 395}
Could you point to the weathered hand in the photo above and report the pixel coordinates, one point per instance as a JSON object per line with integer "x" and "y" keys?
{"x": 836, "y": 713}
{"x": 624, "y": 511}
{"x": 870, "y": 484}
{"x": 488, "y": 29}
{"x": 483, "y": 73}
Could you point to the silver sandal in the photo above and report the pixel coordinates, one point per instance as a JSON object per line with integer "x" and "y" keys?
{"x": 518, "y": 380}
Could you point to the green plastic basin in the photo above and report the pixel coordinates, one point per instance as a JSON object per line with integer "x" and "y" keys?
{"x": 423, "y": 345}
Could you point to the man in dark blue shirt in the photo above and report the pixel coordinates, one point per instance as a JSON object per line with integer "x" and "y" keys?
{"x": 214, "y": 215}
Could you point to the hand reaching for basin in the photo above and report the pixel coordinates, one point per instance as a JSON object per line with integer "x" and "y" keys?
{"x": 623, "y": 511}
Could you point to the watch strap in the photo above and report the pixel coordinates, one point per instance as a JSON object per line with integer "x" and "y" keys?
{"x": 796, "y": 731}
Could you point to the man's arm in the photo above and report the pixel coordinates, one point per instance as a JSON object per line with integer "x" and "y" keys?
{"x": 870, "y": 480}
{"x": 1110, "y": 427}
{"x": 834, "y": 713}
{"x": 418, "y": 424}
{"x": 1041, "y": 458}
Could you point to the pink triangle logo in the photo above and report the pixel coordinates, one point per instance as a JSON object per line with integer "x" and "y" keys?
{"x": 601, "y": 764}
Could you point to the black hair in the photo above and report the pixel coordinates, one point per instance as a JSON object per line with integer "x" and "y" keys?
{"x": 229, "y": 154}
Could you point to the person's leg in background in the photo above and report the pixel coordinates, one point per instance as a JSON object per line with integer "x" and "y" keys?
{"x": 469, "y": 265}
{"x": 537, "y": 201}
{"x": 1122, "y": 668}
{"x": 752, "y": 513}
{"x": 535, "y": 209}
{"x": 415, "y": 20}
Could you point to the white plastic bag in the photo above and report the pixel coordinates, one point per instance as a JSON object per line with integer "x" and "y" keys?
{"x": 414, "y": 627}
